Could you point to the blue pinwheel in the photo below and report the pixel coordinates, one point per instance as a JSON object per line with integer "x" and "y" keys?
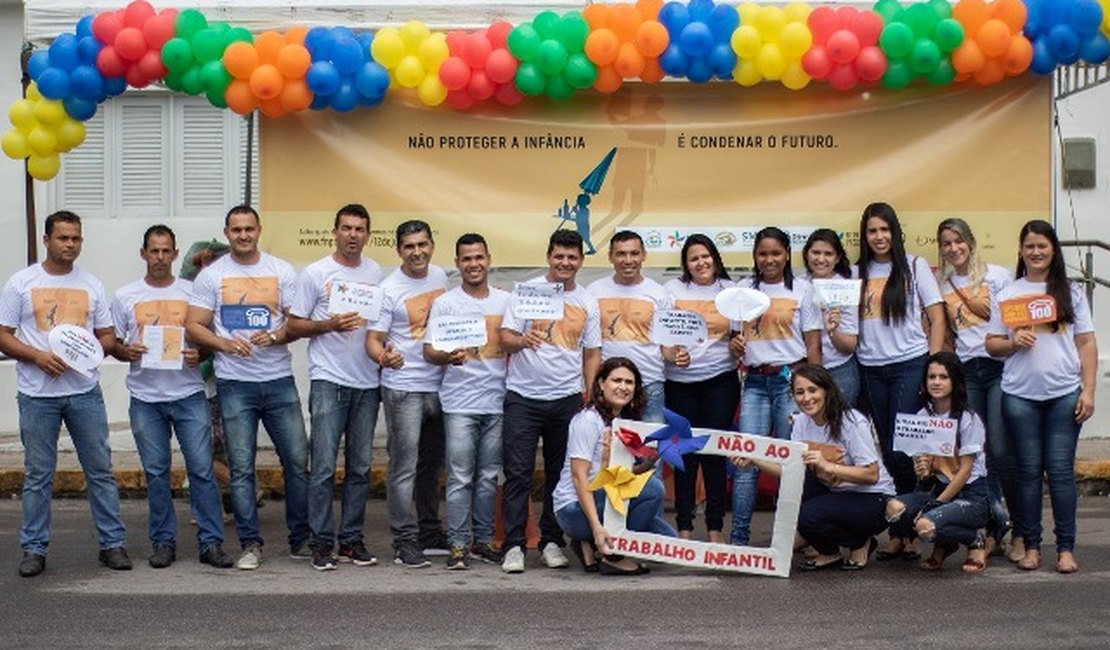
{"x": 675, "y": 439}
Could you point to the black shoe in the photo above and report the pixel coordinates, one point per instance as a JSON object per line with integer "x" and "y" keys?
{"x": 459, "y": 560}
{"x": 32, "y": 564}
{"x": 322, "y": 559}
{"x": 487, "y": 552}
{"x": 115, "y": 559}
{"x": 435, "y": 544}
{"x": 356, "y": 554}
{"x": 163, "y": 556}
{"x": 408, "y": 555}
{"x": 607, "y": 567}
{"x": 214, "y": 556}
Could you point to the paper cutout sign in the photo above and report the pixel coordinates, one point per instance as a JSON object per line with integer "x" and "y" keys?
{"x": 450, "y": 333}
{"x": 924, "y": 434}
{"x": 678, "y": 327}
{"x": 78, "y": 347}
{"x": 742, "y": 303}
{"x": 245, "y": 317}
{"x": 837, "y": 292}
{"x": 538, "y": 300}
{"x": 1028, "y": 310}
{"x": 165, "y": 347}
{"x": 359, "y": 297}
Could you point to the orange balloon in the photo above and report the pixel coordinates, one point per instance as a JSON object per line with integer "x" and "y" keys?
{"x": 1016, "y": 60}
{"x": 962, "y": 77}
{"x": 266, "y": 81}
{"x": 630, "y": 63}
{"x": 1011, "y": 12}
{"x": 623, "y": 20}
{"x": 239, "y": 97}
{"x": 993, "y": 38}
{"x": 608, "y": 79}
{"x": 968, "y": 58}
{"x": 602, "y": 46}
{"x": 295, "y": 96}
{"x": 240, "y": 59}
{"x": 649, "y": 9}
{"x": 269, "y": 44}
{"x": 971, "y": 14}
{"x": 293, "y": 61}
{"x": 295, "y": 35}
{"x": 272, "y": 107}
{"x": 652, "y": 72}
{"x": 596, "y": 15}
{"x": 991, "y": 74}
{"x": 651, "y": 38}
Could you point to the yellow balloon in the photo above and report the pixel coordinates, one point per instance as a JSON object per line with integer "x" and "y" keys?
{"x": 432, "y": 92}
{"x": 794, "y": 77}
{"x": 409, "y": 72}
{"x": 770, "y": 21}
{"x": 795, "y": 40}
{"x": 770, "y": 62}
{"x": 1105, "y": 17}
{"x": 433, "y": 52}
{"x": 71, "y": 134}
{"x": 797, "y": 12}
{"x": 746, "y": 42}
{"x": 746, "y": 74}
{"x": 748, "y": 11}
{"x": 33, "y": 93}
{"x": 44, "y": 167}
{"x": 14, "y": 144}
{"x": 42, "y": 141}
{"x": 388, "y": 49}
{"x": 22, "y": 114}
{"x": 413, "y": 34}
{"x": 49, "y": 112}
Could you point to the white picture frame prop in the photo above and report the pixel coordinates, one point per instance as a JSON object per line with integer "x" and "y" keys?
{"x": 773, "y": 560}
{"x": 78, "y": 348}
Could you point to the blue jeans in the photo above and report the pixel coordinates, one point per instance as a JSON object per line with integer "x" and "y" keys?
{"x": 473, "y": 465}
{"x": 150, "y": 424}
{"x": 351, "y": 413}
{"x": 276, "y": 404}
{"x": 653, "y": 408}
{"x": 765, "y": 409}
{"x": 1043, "y": 435}
{"x": 957, "y": 522}
{"x": 415, "y": 444}
{"x": 984, "y": 395}
{"x": 889, "y": 390}
{"x": 40, "y": 420}
{"x": 641, "y": 513}
{"x": 846, "y": 378}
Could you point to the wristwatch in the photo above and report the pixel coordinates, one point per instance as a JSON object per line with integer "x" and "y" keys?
{"x": 273, "y": 338}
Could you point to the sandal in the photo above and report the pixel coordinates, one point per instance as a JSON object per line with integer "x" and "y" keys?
{"x": 1027, "y": 564}
{"x": 576, "y": 547}
{"x": 1066, "y": 565}
{"x": 886, "y": 554}
{"x": 812, "y": 565}
{"x": 935, "y": 563}
{"x": 854, "y": 565}
{"x": 607, "y": 567}
{"x": 973, "y": 566}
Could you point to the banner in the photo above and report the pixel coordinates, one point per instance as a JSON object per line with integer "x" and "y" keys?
{"x": 666, "y": 160}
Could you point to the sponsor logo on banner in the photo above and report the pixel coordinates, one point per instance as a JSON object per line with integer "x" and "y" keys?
{"x": 728, "y": 240}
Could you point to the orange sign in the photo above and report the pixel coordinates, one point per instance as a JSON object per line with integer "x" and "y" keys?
{"x": 1024, "y": 311}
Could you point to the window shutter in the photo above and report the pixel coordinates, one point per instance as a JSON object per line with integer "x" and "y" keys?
{"x": 203, "y": 159}
{"x": 143, "y": 137}
{"x": 82, "y": 185}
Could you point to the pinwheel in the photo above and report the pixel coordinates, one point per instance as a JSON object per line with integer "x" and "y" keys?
{"x": 675, "y": 439}
{"x": 620, "y": 485}
{"x": 635, "y": 444}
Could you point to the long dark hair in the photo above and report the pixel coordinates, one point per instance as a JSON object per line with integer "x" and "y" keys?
{"x": 836, "y": 407}
{"x": 698, "y": 239}
{"x": 1057, "y": 284}
{"x": 781, "y": 237}
{"x": 633, "y": 409}
{"x": 958, "y": 377}
{"x": 829, "y": 236}
{"x": 893, "y": 306}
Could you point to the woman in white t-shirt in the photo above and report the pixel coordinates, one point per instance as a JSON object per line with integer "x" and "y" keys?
{"x": 825, "y": 259}
{"x": 893, "y": 344}
{"x": 1048, "y": 388}
{"x": 968, "y": 286}
{"x": 618, "y": 391}
{"x": 951, "y": 504}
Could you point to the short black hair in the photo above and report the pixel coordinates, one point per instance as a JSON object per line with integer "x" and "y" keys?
{"x": 625, "y": 235}
{"x": 565, "y": 239}
{"x": 159, "y": 229}
{"x": 242, "y": 208}
{"x": 470, "y": 239}
{"x": 61, "y": 216}
{"x": 354, "y": 210}
{"x": 411, "y": 227}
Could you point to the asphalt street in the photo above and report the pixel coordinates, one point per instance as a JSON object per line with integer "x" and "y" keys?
{"x": 286, "y": 604}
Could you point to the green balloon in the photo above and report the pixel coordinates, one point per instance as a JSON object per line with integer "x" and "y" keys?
{"x": 546, "y": 24}
{"x": 238, "y": 35}
{"x": 177, "y": 55}
{"x": 216, "y": 98}
{"x": 558, "y": 89}
{"x": 925, "y": 56}
{"x": 921, "y": 20}
{"x": 949, "y": 34}
{"x": 579, "y": 72}
{"x": 188, "y": 23}
{"x": 943, "y": 74}
{"x": 941, "y": 8}
{"x": 572, "y": 31}
{"x": 888, "y": 10}
{"x": 173, "y": 81}
{"x": 529, "y": 80}
{"x": 551, "y": 58}
{"x": 896, "y": 40}
{"x": 208, "y": 45}
{"x": 523, "y": 42}
{"x": 191, "y": 81}
{"x": 898, "y": 75}
{"x": 215, "y": 76}
{"x": 220, "y": 26}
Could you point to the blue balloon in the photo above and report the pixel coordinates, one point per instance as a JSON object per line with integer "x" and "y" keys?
{"x": 347, "y": 55}
{"x": 114, "y": 86}
{"x": 369, "y": 102}
{"x": 79, "y": 109}
{"x": 723, "y": 22}
{"x": 674, "y": 16}
{"x": 366, "y": 40}
{"x": 53, "y": 83}
{"x": 372, "y": 81}
{"x": 700, "y": 10}
{"x": 1034, "y": 24}
{"x": 86, "y": 82}
{"x": 38, "y": 63}
{"x": 84, "y": 26}
{"x": 1063, "y": 42}
{"x": 318, "y": 42}
{"x": 1043, "y": 62}
{"x": 1085, "y": 17}
{"x": 696, "y": 40}
{"x": 722, "y": 60}
{"x": 63, "y": 52}
{"x": 320, "y": 102}
{"x": 699, "y": 71}
{"x": 1095, "y": 50}
{"x": 323, "y": 78}
{"x": 673, "y": 61}
{"x": 87, "y": 49}
{"x": 346, "y": 98}
{"x": 342, "y": 32}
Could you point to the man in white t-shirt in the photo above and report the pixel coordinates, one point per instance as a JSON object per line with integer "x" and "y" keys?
{"x": 33, "y": 302}
{"x": 167, "y": 392}
{"x": 343, "y": 398}
{"x": 238, "y": 310}
{"x": 410, "y": 394}
{"x": 552, "y": 365}
{"x": 472, "y": 395}
{"x": 628, "y": 302}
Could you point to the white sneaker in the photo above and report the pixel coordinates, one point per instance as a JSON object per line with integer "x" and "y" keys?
{"x": 552, "y": 556}
{"x": 514, "y": 561}
{"x": 250, "y": 559}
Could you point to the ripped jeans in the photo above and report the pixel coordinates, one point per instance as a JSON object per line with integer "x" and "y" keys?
{"x": 960, "y": 521}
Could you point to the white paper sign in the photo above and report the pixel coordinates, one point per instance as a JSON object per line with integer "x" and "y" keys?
{"x": 450, "y": 333}
{"x": 678, "y": 327}
{"x": 363, "y": 299}
{"x": 538, "y": 300}
{"x": 924, "y": 434}
{"x": 78, "y": 347}
{"x": 837, "y": 292}
{"x": 165, "y": 347}
{"x": 742, "y": 303}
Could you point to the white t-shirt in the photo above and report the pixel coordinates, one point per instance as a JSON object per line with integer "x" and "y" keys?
{"x": 972, "y": 442}
{"x": 404, "y": 319}
{"x": 849, "y": 325}
{"x": 268, "y": 283}
{"x": 35, "y": 302}
{"x": 554, "y": 371}
{"x": 477, "y": 386}
{"x": 1050, "y": 368}
{"x": 138, "y": 305}
{"x": 338, "y": 357}
{"x": 881, "y": 343}
{"x": 971, "y": 330}
{"x": 626, "y": 318}
{"x": 587, "y": 439}
{"x": 775, "y": 338}
{"x": 856, "y": 444}
{"x": 710, "y": 358}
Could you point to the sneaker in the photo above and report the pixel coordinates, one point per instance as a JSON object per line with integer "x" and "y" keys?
{"x": 250, "y": 558}
{"x": 322, "y": 559}
{"x": 163, "y": 556}
{"x": 356, "y": 554}
{"x": 552, "y": 556}
{"x": 302, "y": 552}
{"x": 435, "y": 544}
{"x": 214, "y": 556}
{"x": 408, "y": 555}
{"x": 115, "y": 559}
{"x": 32, "y": 564}
{"x": 458, "y": 560}
{"x": 487, "y": 552}
{"x": 514, "y": 560}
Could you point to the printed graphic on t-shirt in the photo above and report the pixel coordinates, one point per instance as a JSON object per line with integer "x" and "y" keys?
{"x": 55, "y": 306}
{"x": 251, "y": 291}
{"x": 564, "y": 333}
{"x": 161, "y": 312}
{"x": 830, "y": 452}
{"x": 492, "y": 348}
{"x": 776, "y": 324}
{"x": 959, "y": 313}
{"x": 626, "y": 319}
{"x": 716, "y": 324}
{"x": 418, "y": 307}
{"x": 873, "y": 298}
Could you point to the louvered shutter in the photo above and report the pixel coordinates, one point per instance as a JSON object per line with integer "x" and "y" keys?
{"x": 83, "y": 183}
{"x": 142, "y": 139}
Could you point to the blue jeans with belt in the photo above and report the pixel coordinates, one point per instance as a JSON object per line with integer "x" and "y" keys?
{"x": 765, "y": 409}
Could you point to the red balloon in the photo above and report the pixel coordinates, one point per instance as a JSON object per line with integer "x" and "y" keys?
{"x": 822, "y": 23}
{"x": 845, "y": 16}
{"x": 136, "y": 78}
{"x": 454, "y": 73}
{"x": 871, "y": 64}
{"x": 867, "y": 25}
{"x": 160, "y": 29}
{"x": 501, "y": 66}
{"x": 843, "y": 77}
{"x": 816, "y": 62}
{"x": 508, "y": 95}
{"x": 476, "y": 49}
{"x": 151, "y": 65}
{"x": 106, "y": 25}
{"x": 498, "y": 34}
{"x": 459, "y": 100}
{"x": 843, "y": 46}
{"x": 137, "y": 13}
{"x": 455, "y": 41}
{"x": 130, "y": 43}
{"x": 480, "y": 87}
{"x": 109, "y": 62}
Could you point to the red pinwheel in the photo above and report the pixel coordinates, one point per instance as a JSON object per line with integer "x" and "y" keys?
{"x": 675, "y": 439}
{"x": 635, "y": 445}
